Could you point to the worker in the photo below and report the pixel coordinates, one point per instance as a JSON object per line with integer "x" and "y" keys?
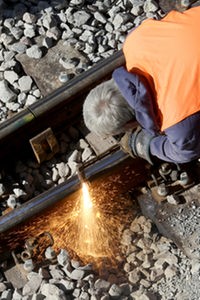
{"x": 155, "y": 98}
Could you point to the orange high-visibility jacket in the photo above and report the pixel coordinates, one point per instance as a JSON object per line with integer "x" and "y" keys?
{"x": 167, "y": 53}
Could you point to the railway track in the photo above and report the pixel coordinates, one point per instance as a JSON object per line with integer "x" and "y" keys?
{"x": 40, "y": 220}
{"x": 53, "y": 219}
{"x": 108, "y": 173}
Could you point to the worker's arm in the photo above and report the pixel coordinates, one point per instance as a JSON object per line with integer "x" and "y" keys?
{"x": 181, "y": 142}
{"x": 139, "y": 98}
{"x": 179, "y": 145}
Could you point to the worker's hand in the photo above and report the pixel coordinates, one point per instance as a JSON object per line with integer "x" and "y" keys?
{"x": 140, "y": 144}
{"x": 137, "y": 144}
{"x": 125, "y": 143}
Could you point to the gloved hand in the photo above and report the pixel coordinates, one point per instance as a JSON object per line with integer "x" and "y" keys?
{"x": 125, "y": 143}
{"x": 137, "y": 143}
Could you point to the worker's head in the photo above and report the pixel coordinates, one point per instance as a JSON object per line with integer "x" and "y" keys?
{"x": 105, "y": 111}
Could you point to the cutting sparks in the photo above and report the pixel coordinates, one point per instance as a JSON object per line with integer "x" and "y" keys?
{"x": 89, "y": 226}
{"x": 87, "y": 201}
{"x": 88, "y": 223}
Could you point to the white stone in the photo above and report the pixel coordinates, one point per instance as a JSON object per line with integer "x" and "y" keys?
{"x": 51, "y": 291}
{"x": 34, "y": 52}
{"x": 30, "y": 100}
{"x": 50, "y": 253}
{"x": 77, "y": 274}
{"x": 32, "y": 285}
{"x": 63, "y": 257}
{"x": 11, "y": 201}
{"x": 6, "y": 95}
{"x": 25, "y": 83}
{"x": 11, "y": 76}
{"x": 28, "y": 265}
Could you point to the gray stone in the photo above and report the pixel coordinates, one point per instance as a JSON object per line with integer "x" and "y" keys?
{"x": 102, "y": 285}
{"x": 21, "y": 98}
{"x": 29, "y": 32}
{"x": 76, "y": 292}
{"x": 7, "y": 95}
{"x": 119, "y": 20}
{"x": 49, "y": 21}
{"x": 84, "y": 296}
{"x": 53, "y": 33}
{"x": 56, "y": 273}
{"x": 3, "y": 287}
{"x": 7, "y": 294}
{"x": 115, "y": 291}
{"x": 6, "y": 39}
{"x": 77, "y": 2}
{"x": 30, "y": 100}
{"x": 100, "y": 17}
{"x": 25, "y": 84}
{"x": 33, "y": 285}
{"x": 11, "y": 201}
{"x": 81, "y": 17}
{"x": 51, "y": 291}
{"x": 87, "y": 154}
{"x": 37, "y": 93}
{"x": 55, "y": 175}
{"x": 77, "y": 274}
{"x": 16, "y": 32}
{"x": 134, "y": 276}
{"x": 34, "y": 52}
{"x": 50, "y": 253}
{"x": 63, "y": 169}
{"x": 68, "y": 285}
{"x": 8, "y": 55}
{"x": 137, "y": 8}
{"x": 150, "y": 6}
{"x": 28, "y": 265}
{"x": 17, "y": 295}
{"x": 29, "y": 18}
{"x": 11, "y": 76}
{"x": 2, "y": 55}
{"x": 18, "y": 47}
{"x": 9, "y": 23}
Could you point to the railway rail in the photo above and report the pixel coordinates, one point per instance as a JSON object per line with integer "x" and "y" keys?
{"x": 27, "y": 231}
{"x": 33, "y": 134}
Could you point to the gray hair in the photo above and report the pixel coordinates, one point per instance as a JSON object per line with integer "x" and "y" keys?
{"x": 105, "y": 111}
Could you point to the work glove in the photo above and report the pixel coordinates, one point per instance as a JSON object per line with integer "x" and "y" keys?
{"x": 137, "y": 144}
{"x": 125, "y": 143}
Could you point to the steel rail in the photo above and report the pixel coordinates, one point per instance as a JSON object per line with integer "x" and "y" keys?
{"x": 59, "y": 108}
{"x": 76, "y": 87}
{"x": 53, "y": 195}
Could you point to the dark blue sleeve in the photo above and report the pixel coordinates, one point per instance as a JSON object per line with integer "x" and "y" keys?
{"x": 180, "y": 144}
{"x": 139, "y": 98}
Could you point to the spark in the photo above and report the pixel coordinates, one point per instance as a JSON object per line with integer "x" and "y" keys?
{"x": 87, "y": 201}
{"x": 88, "y": 223}
{"x": 89, "y": 227}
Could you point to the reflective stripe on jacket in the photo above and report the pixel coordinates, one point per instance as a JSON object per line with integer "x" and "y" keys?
{"x": 167, "y": 53}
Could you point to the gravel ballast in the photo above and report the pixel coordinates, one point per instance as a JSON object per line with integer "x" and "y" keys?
{"x": 154, "y": 268}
